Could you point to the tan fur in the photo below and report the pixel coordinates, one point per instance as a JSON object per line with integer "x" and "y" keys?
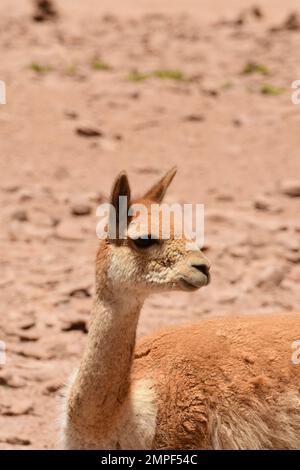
{"x": 220, "y": 384}
{"x": 225, "y": 383}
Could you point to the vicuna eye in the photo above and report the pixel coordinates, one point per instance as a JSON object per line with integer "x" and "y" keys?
{"x": 143, "y": 243}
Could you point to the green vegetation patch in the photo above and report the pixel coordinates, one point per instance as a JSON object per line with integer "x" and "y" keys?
{"x": 168, "y": 74}
{"x": 253, "y": 67}
{"x": 101, "y": 66}
{"x": 162, "y": 74}
{"x": 138, "y": 76}
{"x": 40, "y": 68}
{"x": 271, "y": 90}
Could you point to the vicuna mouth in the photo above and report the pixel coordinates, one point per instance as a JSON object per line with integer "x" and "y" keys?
{"x": 190, "y": 286}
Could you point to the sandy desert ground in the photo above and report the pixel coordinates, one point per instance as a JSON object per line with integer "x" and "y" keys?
{"x": 142, "y": 86}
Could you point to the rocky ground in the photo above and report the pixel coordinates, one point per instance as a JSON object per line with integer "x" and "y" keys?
{"x": 92, "y": 91}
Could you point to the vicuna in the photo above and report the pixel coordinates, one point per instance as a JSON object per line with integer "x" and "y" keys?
{"x": 225, "y": 383}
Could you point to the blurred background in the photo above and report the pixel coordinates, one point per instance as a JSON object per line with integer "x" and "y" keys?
{"x": 97, "y": 87}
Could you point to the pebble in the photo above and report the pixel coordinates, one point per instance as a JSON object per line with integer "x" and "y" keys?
{"x": 25, "y": 195}
{"x": 79, "y": 289}
{"x": 238, "y": 121}
{"x": 70, "y": 114}
{"x": 224, "y": 197}
{"x": 44, "y": 11}
{"x": 291, "y": 188}
{"x": 271, "y": 276}
{"x": 194, "y": 118}
{"x": 28, "y": 337}
{"x": 219, "y": 217}
{"x": 265, "y": 204}
{"x": 248, "y": 358}
{"x": 289, "y": 241}
{"x": 88, "y": 131}
{"x": 52, "y": 387}
{"x": 95, "y": 196}
{"x": 9, "y": 380}
{"x": 228, "y": 297}
{"x": 240, "y": 251}
{"x": 257, "y": 12}
{"x": 10, "y": 188}
{"x": 80, "y": 209}
{"x": 80, "y": 292}
{"x": 20, "y": 215}
{"x": 292, "y": 23}
{"x": 76, "y": 324}
{"x": 293, "y": 257}
{"x": 18, "y": 408}
{"x": 15, "y": 440}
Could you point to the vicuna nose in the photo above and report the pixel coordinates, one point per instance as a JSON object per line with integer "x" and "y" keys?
{"x": 203, "y": 268}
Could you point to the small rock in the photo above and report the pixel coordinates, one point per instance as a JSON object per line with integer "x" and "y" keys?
{"x": 271, "y": 276}
{"x": 15, "y": 441}
{"x": 262, "y": 203}
{"x": 71, "y": 114}
{"x": 79, "y": 289}
{"x": 25, "y": 195}
{"x": 220, "y": 217}
{"x": 135, "y": 95}
{"x": 31, "y": 353}
{"x": 95, "y": 196}
{"x": 291, "y": 188}
{"x": 237, "y": 122}
{"x": 27, "y": 324}
{"x": 289, "y": 285}
{"x": 257, "y": 12}
{"x": 10, "y": 188}
{"x": 194, "y": 118}
{"x": 44, "y": 11}
{"x": 239, "y": 251}
{"x": 249, "y": 358}
{"x": 292, "y": 23}
{"x": 289, "y": 241}
{"x": 52, "y": 387}
{"x": 227, "y": 297}
{"x": 9, "y": 380}
{"x": 78, "y": 324}
{"x": 211, "y": 92}
{"x": 81, "y": 208}
{"x": 20, "y": 215}
{"x": 28, "y": 337}
{"x": 17, "y": 409}
{"x": 292, "y": 257}
{"x": 224, "y": 197}
{"x": 80, "y": 292}
{"x": 88, "y": 131}
{"x": 265, "y": 204}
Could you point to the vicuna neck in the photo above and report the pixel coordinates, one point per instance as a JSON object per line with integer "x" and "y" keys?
{"x": 102, "y": 383}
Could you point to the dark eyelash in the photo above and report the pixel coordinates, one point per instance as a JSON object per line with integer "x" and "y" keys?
{"x": 144, "y": 243}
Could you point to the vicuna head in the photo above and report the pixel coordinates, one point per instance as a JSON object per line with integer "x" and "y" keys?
{"x": 143, "y": 261}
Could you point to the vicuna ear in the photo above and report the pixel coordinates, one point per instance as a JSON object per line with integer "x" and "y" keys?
{"x": 158, "y": 191}
{"x": 120, "y": 191}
